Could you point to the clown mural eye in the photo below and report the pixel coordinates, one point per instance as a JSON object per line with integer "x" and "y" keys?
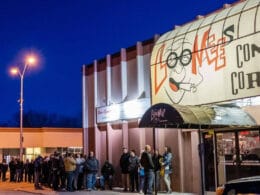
{"x": 180, "y": 77}
{"x": 184, "y": 58}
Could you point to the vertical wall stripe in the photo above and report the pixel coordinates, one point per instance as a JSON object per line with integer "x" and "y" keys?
{"x": 108, "y": 82}
{"x": 123, "y": 74}
{"x": 140, "y": 68}
{"x": 84, "y": 108}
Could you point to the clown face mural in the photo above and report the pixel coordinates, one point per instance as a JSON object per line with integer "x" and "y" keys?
{"x": 180, "y": 79}
{"x": 210, "y": 60}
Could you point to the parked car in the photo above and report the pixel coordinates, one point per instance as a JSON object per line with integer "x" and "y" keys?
{"x": 248, "y": 185}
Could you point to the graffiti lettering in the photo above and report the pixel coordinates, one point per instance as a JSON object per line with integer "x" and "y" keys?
{"x": 240, "y": 81}
{"x": 245, "y": 53}
{"x": 161, "y": 69}
{"x": 229, "y": 31}
{"x": 157, "y": 115}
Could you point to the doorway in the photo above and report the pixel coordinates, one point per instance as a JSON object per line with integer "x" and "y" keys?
{"x": 230, "y": 155}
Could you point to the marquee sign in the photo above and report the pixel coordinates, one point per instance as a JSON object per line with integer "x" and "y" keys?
{"x": 213, "y": 59}
{"x": 127, "y": 110}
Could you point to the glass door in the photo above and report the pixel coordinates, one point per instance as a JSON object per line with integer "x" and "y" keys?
{"x": 249, "y": 148}
{"x": 237, "y": 155}
{"x": 225, "y": 150}
{"x": 209, "y": 161}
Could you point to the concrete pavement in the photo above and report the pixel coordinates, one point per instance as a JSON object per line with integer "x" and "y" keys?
{"x": 28, "y": 188}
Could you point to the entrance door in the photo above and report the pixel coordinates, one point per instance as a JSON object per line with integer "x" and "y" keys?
{"x": 237, "y": 155}
{"x": 209, "y": 161}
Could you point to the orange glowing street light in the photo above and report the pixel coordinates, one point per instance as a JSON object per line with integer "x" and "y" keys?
{"x": 14, "y": 71}
{"x": 30, "y": 60}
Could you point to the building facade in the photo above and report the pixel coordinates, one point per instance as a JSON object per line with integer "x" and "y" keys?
{"x": 37, "y": 141}
{"x": 212, "y": 60}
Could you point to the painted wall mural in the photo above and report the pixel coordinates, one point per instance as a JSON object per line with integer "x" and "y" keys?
{"x": 213, "y": 59}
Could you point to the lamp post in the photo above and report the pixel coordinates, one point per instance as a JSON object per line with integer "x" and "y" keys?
{"x": 16, "y": 71}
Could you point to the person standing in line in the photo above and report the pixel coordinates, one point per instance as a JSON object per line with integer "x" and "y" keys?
{"x": 147, "y": 163}
{"x": 107, "y": 172}
{"x": 31, "y": 172}
{"x": 4, "y": 170}
{"x": 133, "y": 171}
{"x": 26, "y": 170}
{"x": 78, "y": 181}
{"x": 19, "y": 169}
{"x": 1, "y": 164}
{"x": 37, "y": 171}
{"x": 12, "y": 168}
{"x": 91, "y": 167}
{"x": 55, "y": 169}
{"x": 124, "y": 163}
{"x": 62, "y": 172}
{"x": 141, "y": 179}
{"x": 70, "y": 166}
{"x": 167, "y": 163}
{"x": 157, "y": 168}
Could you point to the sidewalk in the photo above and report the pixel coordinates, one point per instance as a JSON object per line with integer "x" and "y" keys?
{"x": 29, "y": 188}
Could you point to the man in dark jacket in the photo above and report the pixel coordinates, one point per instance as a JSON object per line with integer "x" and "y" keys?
{"x": 91, "y": 167}
{"x": 107, "y": 172}
{"x": 147, "y": 163}
{"x": 4, "y": 170}
{"x": 133, "y": 171}
{"x": 157, "y": 168}
{"x": 124, "y": 163}
{"x": 31, "y": 171}
{"x": 37, "y": 171}
{"x": 12, "y": 168}
{"x": 55, "y": 170}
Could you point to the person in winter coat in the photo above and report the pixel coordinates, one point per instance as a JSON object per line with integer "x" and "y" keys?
{"x": 31, "y": 171}
{"x": 12, "y": 169}
{"x": 147, "y": 163}
{"x": 107, "y": 172}
{"x": 55, "y": 170}
{"x": 78, "y": 181}
{"x": 133, "y": 171}
{"x": 4, "y": 170}
{"x": 124, "y": 163}
{"x": 70, "y": 166}
{"x": 37, "y": 171}
{"x": 157, "y": 157}
{"x": 26, "y": 170}
{"x": 167, "y": 163}
{"x": 91, "y": 167}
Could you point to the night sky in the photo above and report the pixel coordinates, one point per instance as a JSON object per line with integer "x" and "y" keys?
{"x": 66, "y": 34}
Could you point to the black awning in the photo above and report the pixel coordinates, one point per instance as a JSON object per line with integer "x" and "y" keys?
{"x": 179, "y": 116}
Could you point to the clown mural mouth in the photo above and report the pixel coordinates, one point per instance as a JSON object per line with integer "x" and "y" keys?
{"x": 180, "y": 79}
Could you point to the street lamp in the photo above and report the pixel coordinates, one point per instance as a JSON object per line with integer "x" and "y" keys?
{"x": 21, "y": 72}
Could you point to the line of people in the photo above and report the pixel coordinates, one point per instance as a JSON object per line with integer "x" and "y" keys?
{"x": 144, "y": 172}
{"x": 69, "y": 172}
{"x": 77, "y": 172}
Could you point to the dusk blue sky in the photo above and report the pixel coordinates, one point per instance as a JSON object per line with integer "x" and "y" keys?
{"x": 69, "y": 33}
